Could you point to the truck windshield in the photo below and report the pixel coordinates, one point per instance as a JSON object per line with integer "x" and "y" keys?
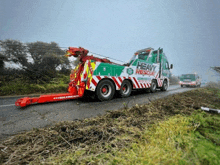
{"x": 187, "y": 76}
{"x": 143, "y": 55}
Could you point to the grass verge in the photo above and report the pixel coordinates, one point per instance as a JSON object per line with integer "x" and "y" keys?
{"x": 172, "y": 130}
{"x": 21, "y": 87}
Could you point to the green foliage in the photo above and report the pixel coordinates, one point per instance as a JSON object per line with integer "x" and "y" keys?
{"x": 165, "y": 142}
{"x": 21, "y": 86}
{"x": 207, "y": 137}
{"x": 179, "y": 140}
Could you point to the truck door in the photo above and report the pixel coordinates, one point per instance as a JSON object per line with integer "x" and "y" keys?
{"x": 165, "y": 67}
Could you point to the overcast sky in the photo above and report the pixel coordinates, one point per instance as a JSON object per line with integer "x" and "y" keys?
{"x": 188, "y": 31}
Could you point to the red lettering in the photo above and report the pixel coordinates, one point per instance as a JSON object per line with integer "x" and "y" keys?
{"x": 144, "y": 72}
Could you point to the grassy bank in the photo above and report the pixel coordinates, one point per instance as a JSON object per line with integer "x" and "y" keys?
{"x": 172, "y": 130}
{"x": 20, "y": 86}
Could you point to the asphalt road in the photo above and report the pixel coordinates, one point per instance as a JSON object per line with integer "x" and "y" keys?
{"x": 14, "y": 120}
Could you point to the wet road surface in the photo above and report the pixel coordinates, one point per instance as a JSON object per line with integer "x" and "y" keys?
{"x": 14, "y": 120}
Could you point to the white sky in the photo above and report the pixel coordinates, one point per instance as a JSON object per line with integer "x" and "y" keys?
{"x": 188, "y": 31}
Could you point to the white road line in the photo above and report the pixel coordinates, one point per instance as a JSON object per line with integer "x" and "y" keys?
{"x": 7, "y": 105}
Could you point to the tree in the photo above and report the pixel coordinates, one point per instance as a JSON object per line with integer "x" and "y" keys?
{"x": 64, "y": 67}
{"x": 45, "y": 58}
{"x": 39, "y": 60}
{"x": 216, "y": 68}
{"x": 2, "y": 59}
{"x": 15, "y": 51}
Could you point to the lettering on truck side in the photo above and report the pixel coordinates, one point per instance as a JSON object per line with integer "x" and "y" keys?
{"x": 145, "y": 68}
{"x": 63, "y": 97}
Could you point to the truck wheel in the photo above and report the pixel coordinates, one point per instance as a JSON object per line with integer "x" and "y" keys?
{"x": 164, "y": 86}
{"x": 153, "y": 86}
{"x": 105, "y": 90}
{"x": 126, "y": 88}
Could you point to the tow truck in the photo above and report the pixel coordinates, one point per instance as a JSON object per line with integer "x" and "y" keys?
{"x": 147, "y": 69}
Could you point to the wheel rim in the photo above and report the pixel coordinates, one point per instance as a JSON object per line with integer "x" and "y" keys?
{"x": 106, "y": 90}
{"x": 153, "y": 86}
{"x": 165, "y": 85}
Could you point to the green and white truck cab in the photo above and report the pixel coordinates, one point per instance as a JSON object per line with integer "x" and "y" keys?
{"x": 190, "y": 80}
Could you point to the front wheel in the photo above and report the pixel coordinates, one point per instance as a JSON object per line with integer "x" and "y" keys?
{"x": 165, "y": 85}
{"x": 153, "y": 86}
{"x": 105, "y": 90}
{"x": 126, "y": 88}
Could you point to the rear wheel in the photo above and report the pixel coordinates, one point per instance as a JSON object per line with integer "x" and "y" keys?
{"x": 126, "y": 88}
{"x": 165, "y": 85}
{"x": 105, "y": 90}
{"x": 153, "y": 86}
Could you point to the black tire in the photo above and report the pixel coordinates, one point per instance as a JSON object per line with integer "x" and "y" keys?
{"x": 105, "y": 90}
{"x": 164, "y": 86}
{"x": 153, "y": 86}
{"x": 126, "y": 89}
{"x": 89, "y": 95}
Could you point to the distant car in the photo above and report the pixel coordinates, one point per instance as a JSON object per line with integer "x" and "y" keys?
{"x": 190, "y": 80}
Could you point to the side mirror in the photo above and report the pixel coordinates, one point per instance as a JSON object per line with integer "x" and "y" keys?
{"x": 171, "y": 66}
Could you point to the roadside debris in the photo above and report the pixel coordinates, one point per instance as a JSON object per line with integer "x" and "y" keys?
{"x": 211, "y": 110}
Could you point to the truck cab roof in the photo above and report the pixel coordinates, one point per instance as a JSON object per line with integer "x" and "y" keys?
{"x": 144, "y": 50}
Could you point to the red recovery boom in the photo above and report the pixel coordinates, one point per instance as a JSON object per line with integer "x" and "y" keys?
{"x": 74, "y": 91}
